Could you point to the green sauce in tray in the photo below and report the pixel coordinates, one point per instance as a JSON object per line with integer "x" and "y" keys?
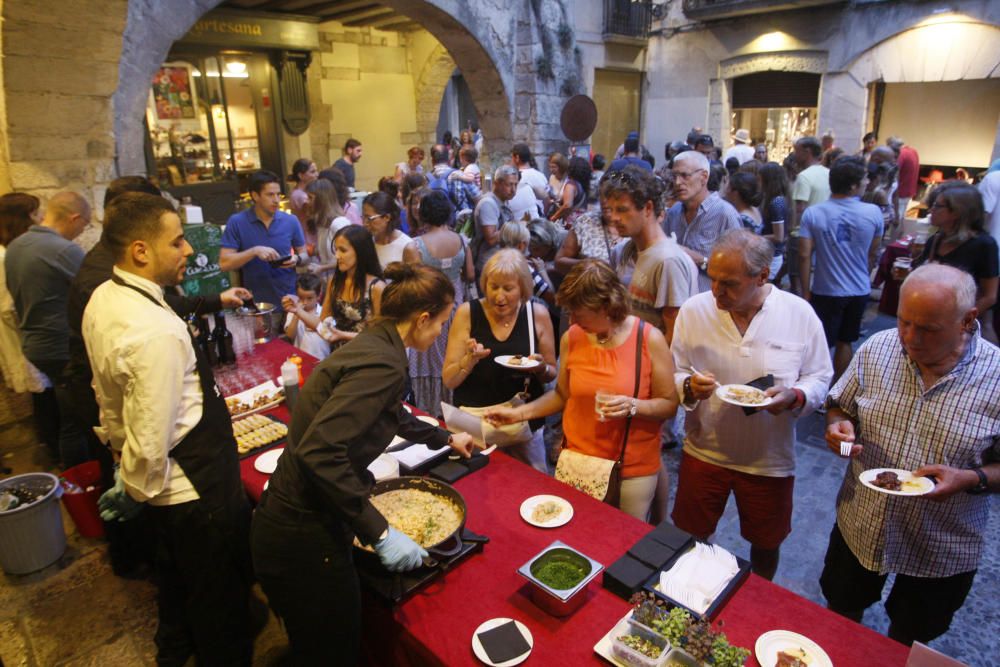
{"x": 560, "y": 574}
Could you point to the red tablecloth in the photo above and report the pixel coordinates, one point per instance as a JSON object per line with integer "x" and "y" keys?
{"x": 435, "y": 626}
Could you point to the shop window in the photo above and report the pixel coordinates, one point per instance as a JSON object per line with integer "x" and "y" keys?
{"x": 777, "y": 108}
{"x": 201, "y": 120}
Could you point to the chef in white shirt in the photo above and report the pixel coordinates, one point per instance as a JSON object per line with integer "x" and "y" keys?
{"x": 742, "y": 330}
{"x": 163, "y": 415}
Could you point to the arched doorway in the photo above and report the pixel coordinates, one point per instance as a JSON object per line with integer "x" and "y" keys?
{"x": 467, "y": 42}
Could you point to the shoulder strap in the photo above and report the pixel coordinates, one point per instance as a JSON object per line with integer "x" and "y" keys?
{"x": 531, "y": 326}
{"x": 635, "y": 392}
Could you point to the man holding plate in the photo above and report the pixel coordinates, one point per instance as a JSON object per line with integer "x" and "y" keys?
{"x": 745, "y": 330}
{"x": 926, "y": 399}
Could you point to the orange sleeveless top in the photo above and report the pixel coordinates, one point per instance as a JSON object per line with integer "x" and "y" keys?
{"x": 590, "y": 368}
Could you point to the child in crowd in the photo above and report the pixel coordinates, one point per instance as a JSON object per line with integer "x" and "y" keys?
{"x": 467, "y": 158}
{"x": 308, "y": 297}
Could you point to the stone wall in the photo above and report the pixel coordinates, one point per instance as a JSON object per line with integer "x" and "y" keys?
{"x": 60, "y": 69}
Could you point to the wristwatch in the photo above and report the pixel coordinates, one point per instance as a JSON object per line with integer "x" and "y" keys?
{"x": 982, "y": 486}
{"x": 635, "y": 408}
{"x": 704, "y": 264}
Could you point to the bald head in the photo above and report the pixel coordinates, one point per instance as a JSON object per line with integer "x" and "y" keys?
{"x": 951, "y": 290}
{"x": 882, "y": 154}
{"x": 68, "y": 213}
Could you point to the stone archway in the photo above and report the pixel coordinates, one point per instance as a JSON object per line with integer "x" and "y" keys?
{"x": 476, "y": 37}
{"x": 430, "y": 88}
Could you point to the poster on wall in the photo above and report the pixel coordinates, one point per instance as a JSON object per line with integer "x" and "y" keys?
{"x": 173, "y": 94}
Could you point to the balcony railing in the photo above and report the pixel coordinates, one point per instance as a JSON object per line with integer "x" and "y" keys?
{"x": 628, "y": 19}
{"x": 708, "y": 10}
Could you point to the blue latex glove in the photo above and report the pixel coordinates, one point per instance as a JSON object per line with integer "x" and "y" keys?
{"x": 117, "y": 504}
{"x": 398, "y": 552}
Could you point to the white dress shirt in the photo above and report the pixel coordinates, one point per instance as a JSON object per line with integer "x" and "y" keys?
{"x": 784, "y": 339}
{"x": 147, "y": 385}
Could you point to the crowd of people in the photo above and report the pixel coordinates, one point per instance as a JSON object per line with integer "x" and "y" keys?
{"x": 630, "y": 295}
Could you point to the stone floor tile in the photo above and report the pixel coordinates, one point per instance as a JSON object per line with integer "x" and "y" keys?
{"x": 119, "y": 651}
{"x": 14, "y": 645}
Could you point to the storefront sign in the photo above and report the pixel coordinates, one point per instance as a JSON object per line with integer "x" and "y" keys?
{"x": 203, "y": 274}
{"x": 233, "y": 30}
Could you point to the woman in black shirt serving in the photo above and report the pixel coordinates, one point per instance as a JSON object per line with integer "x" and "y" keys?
{"x": 317, "y": 500}
{"x": 495, "y": 325}
{"x": 961, "y": 241}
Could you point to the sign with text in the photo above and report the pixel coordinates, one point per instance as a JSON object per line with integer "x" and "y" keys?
{"x": 203, "y": 275}
{"x": 233, "y": 29}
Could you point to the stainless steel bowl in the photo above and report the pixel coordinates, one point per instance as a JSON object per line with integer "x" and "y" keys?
{"x": 262, "y": 319}
{"x": 559, "y": 602}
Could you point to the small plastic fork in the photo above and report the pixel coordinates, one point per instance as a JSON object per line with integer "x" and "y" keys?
{"x": 845, "y": 449}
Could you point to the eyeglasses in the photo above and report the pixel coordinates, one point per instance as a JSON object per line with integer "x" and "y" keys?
{"x": 938, "y": 204}
{"x": 374, "y": 216}
{"x": 686, "y": 176}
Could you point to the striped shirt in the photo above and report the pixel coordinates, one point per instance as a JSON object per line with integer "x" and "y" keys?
{"x": 714, "y": 218}
{"x": 904, "y": 425}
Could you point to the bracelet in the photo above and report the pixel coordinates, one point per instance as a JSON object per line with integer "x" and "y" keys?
{"x": 635, "y": 407}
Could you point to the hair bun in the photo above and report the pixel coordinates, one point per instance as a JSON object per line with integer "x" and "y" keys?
{"x": 397, "y": 271}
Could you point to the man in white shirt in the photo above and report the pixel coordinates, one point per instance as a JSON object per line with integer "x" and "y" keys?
{"x": 163, "y": 415}
{"x": 743, "y": 330}
{"x": 741, "y": 148}
{"x": 531, "y": 178}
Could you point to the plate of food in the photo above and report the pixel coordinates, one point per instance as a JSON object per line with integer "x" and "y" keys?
{"x": 518, "y": 362}
{"x": 896, "y": 482}
{"x": 256, "y": 431}
{"x": 546, "y": 511}
{"x": 743, "y": 395}
{"x": 784, "y": 648}
{"x": 502, "y": 642}
{"x": 256, "y": 399}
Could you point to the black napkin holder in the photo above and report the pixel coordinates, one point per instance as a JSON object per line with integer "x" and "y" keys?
{"x": 718, "y": 603}
{"x": 626, "y": 576}
{"x": 672, "y": 536}
{"x": 453, "y": 470}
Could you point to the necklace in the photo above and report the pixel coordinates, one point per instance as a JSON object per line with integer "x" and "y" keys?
{"x": 608, "y": 337}
{"x": 506, "y": 325}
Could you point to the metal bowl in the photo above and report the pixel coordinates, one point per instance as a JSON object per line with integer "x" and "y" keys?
{"x": 262, "y": 320}
{"x": 559, "y": 602}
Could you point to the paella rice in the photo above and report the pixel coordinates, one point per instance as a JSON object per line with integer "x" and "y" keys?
{"x": 426, "y": 518}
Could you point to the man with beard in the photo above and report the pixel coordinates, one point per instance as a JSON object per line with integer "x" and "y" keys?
{"x": 166, "y": 420}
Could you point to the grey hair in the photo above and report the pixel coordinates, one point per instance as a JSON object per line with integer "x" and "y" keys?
{"x": 756, "y": 251}
{"x": 694, "y": 157}
{"x": 505, "y": 171}
{"x": 961, "y": 284}
{"x": 895, "y": 143}
{"x": 513, "y": 234}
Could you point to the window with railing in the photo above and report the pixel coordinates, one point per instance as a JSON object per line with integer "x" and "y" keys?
{"x": 628, "y": 18}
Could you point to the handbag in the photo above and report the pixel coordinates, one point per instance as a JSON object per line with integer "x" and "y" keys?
{"x": 598, "y": 477}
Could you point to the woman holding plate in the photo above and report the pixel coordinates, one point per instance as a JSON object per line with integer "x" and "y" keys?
{"x": 317, "y": 500}
{"x": 505, "y": 322}
{"x": 598, "y": 361}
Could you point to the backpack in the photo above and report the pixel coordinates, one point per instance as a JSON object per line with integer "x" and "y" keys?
{"x": 440, "y": 183}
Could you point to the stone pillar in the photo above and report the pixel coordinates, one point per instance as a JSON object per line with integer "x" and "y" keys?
{"x": 843, "y": 103}
{"x": 60, "y": 68}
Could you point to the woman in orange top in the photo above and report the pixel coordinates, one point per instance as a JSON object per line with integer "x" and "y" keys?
{"x": 597, "y": 353}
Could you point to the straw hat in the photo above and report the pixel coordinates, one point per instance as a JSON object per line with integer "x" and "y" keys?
{"x": 742, "y": 136}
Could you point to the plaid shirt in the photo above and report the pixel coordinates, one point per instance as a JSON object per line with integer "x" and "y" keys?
{"x": 955, "y": 422}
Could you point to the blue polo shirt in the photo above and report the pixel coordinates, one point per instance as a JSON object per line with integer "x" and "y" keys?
{"x": 244, "y": 230}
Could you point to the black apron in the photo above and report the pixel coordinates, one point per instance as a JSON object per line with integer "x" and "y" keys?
{"x": 208, "y": 453}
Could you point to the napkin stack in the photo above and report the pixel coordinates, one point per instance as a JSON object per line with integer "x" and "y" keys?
{"x": 699, "y": 576}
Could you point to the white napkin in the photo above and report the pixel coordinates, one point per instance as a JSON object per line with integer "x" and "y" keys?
{"x": 699, "y": 576}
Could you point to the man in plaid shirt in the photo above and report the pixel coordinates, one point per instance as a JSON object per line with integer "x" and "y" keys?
{"x": 924, "y": 399}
